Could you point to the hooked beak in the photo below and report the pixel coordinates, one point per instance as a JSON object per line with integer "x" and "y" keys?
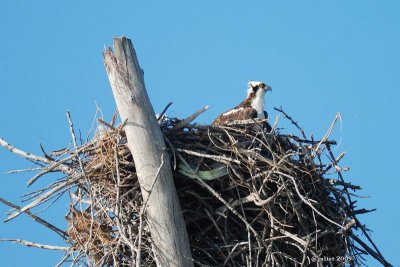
{"x": 267, "y": 88}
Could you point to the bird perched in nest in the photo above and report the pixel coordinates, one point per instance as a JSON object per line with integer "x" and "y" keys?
{"x": 252, "y": 107}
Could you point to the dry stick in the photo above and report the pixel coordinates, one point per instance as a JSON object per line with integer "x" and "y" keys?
{"x": 36, "y": 218}
{"x": 98, "y": 110}
{"x": 43, "y": 197}
{"x": 305, "y": 253}
{"x": 53, "y": 166}
{"x": 44, "y": 153}
{"x": 275, "y": 125}
{"x": 24, "y": 154}
{"x": 294, "y": 206}
{"x": 51, "y": 199}
{"x": 189, "y": 119}
{"x": 376, "y": 255}
{"x": 232, "y": 250}
{"x": 207, "y": 149}
{"x": 164, "y": 110}
{"x": 281, "y": 160}
{"x": 316, "y": 142}
{"x": 327, "y": 134}
{"x": 36, "y": 193}
{"x": 114, "y": 117}
{"x": 36, "y": 245}
{"x": 40, "y": 174}
{"x": 292, "y": 121}
{"x": 305, "y": 141}
{"x": 24, "y": 170}
{"x": 59, "y": 152}
{"x": 252, "y": 197}
{"x": 250, "y": 258}
{"x": 358, "y": 223}
{"x": 71, "y": 129}
{"x": 76, "y": 198}
{"x": 106, "y": 123}
{"x": 118, "y": 184}
{"x": 117, "y": 210}
{"x": 212, "y": 191}
{"x": 64, "y": 259}
{"x": 306, "y": 201}
{"x": 65, "y": 169}
{"x": 78, "y": 257}
{"x": 344, "y": 184}
{"x": 290, "y": 197}
{"x": 222, "y": 159}
{"x": 218, "y": 230}
{"x": 271, "y": 234}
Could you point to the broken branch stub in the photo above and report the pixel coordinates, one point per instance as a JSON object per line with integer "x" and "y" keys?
{"x": 146, "y": 143}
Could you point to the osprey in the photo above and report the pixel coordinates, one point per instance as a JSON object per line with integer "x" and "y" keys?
{"x": 252, "y": 107}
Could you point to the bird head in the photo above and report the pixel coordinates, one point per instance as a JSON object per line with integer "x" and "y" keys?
{"x": 255, "y": 86}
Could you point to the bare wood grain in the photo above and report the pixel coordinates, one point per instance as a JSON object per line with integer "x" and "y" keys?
{"x": 147, "y": 146}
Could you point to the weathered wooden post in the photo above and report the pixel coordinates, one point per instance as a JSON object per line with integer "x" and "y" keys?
{"x": 148, "y": 149}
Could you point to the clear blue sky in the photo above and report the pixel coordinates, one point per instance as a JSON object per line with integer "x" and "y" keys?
{"x": 320, "y": 57}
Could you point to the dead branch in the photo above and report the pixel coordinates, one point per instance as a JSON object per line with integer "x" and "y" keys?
{"x": 276, "y": 204}
{"x": 36, "y": 245}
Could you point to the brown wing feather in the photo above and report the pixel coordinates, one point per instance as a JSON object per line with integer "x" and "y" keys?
{"x": 244, "y": 111}
{"x": 238, "y": 113}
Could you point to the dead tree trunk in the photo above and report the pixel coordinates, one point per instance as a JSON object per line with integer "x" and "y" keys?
{"x": 148, "y": 149}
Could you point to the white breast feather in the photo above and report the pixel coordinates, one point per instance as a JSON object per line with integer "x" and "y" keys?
{"x": 258, "y": 104}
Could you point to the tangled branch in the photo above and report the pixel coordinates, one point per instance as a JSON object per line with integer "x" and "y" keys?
{"x": 250, "y": 197}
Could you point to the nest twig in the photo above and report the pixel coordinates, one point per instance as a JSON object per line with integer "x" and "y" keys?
{"x": 276, "y": 200}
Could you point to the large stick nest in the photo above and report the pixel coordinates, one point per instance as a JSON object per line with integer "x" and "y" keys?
{"x": 250, "y": 196}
